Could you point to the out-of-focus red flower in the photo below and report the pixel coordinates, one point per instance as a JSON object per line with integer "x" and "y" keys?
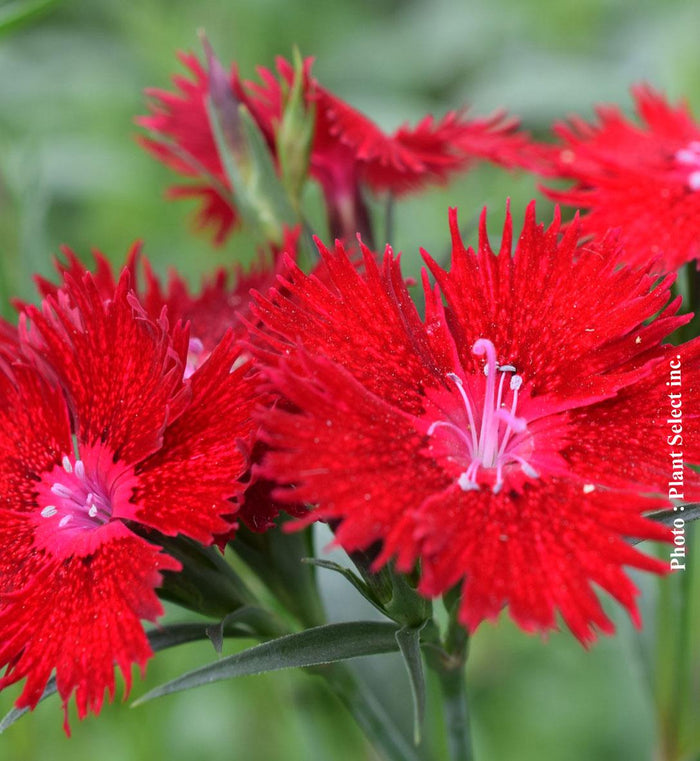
{"x": 101, "y": 440}
{"x": 348, "y": 152}
{"x": 641, "y": 177}
{"x": 508, "y": 441}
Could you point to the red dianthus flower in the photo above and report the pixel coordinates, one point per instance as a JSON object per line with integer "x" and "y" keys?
{"x": 221, "y": 306}
{"x": 506, "y": 440}
{"x": 642, "y": 178}
{"x": 101, "y": 440}
{"x": 348, "y": 149}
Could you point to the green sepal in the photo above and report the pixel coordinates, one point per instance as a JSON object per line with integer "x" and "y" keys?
{"x": 276, "y": 558}
{"x": 353, "y": 578}
{"x": 294, "y": 135}
{"x": 206, "y": 584}
{"x": 394, "y": 591}
{"x": 250, "y": 168}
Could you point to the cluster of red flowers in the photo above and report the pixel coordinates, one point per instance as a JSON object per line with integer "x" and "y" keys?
{"x": 509, "y": 439}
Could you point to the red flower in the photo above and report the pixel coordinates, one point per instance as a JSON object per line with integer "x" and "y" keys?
{"x": 643, "y": 178}
{"x": 102, "y": 440}
{"x": 505, "y": 441}
{"x": 348, "y": 150}
{"x": 183, "y": 140}
{"x": 222, "y": 305}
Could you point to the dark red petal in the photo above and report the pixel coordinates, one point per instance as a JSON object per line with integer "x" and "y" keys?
{"x": 119, "y": 369}
{"x": 201, "y": 461}
{"x": 347, "y": 451}
{"x": 631, "y": 441}
{"x": 183, "y": 137}
{"x": 224, "y": 298}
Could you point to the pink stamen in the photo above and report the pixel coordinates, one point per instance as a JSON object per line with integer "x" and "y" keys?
{"x": 495, "y": 444}
{"x": 78, "y": 499}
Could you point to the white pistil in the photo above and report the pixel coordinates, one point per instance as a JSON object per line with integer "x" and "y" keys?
{"x": 80, "y": 469}
{"x": 66, "y": 464}
{"x": 49, "y": 511}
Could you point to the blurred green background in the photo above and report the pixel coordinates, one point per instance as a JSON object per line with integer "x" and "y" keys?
{"x": 71, "y": 82}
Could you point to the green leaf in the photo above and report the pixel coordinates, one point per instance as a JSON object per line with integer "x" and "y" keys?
{"x": 22, "y": 11}
{"x": 408, "y": 640}
{"x": 11, "y": 716}
{"x": 311, "y": 647}
{"x": 690, "y": 512}
{"x": 159, "y": 639}
{"x": 355, "y": 580}
{"x": 250, "y": 621}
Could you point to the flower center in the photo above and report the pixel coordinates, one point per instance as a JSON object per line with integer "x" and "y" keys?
{"x": 689, "y": 158}
{"x": 76, "y": 500}
{"x": 494, "y": 435}
{"x": 79, "y": 496}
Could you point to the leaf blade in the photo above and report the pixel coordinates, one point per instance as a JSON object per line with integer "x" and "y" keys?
{"x": 312, "y": 647}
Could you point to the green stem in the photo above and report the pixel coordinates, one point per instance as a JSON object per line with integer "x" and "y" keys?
{"x": 679, "y": 701}
{"x": 454, "y": 694}
{"x": 369, "y": 713}
{"x": 448, "y": 661}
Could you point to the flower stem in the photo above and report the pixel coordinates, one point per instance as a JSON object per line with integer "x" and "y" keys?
{"x": 681, "y": 667}
{"x": 456, "y": 709}
{"x": 448, "y": 660}
{"x": 369, "y": 714}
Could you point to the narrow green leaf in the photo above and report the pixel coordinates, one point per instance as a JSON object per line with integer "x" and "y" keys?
{"x": 690, "y": 512}
{"x": 11, "y": 716}
{"x": 311, "y": 647}
{"x": 408, "y": 640}
{"x": 22, "y": 11}
{"x": 249, "y": 620}
{"x": 355, "y": 580}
